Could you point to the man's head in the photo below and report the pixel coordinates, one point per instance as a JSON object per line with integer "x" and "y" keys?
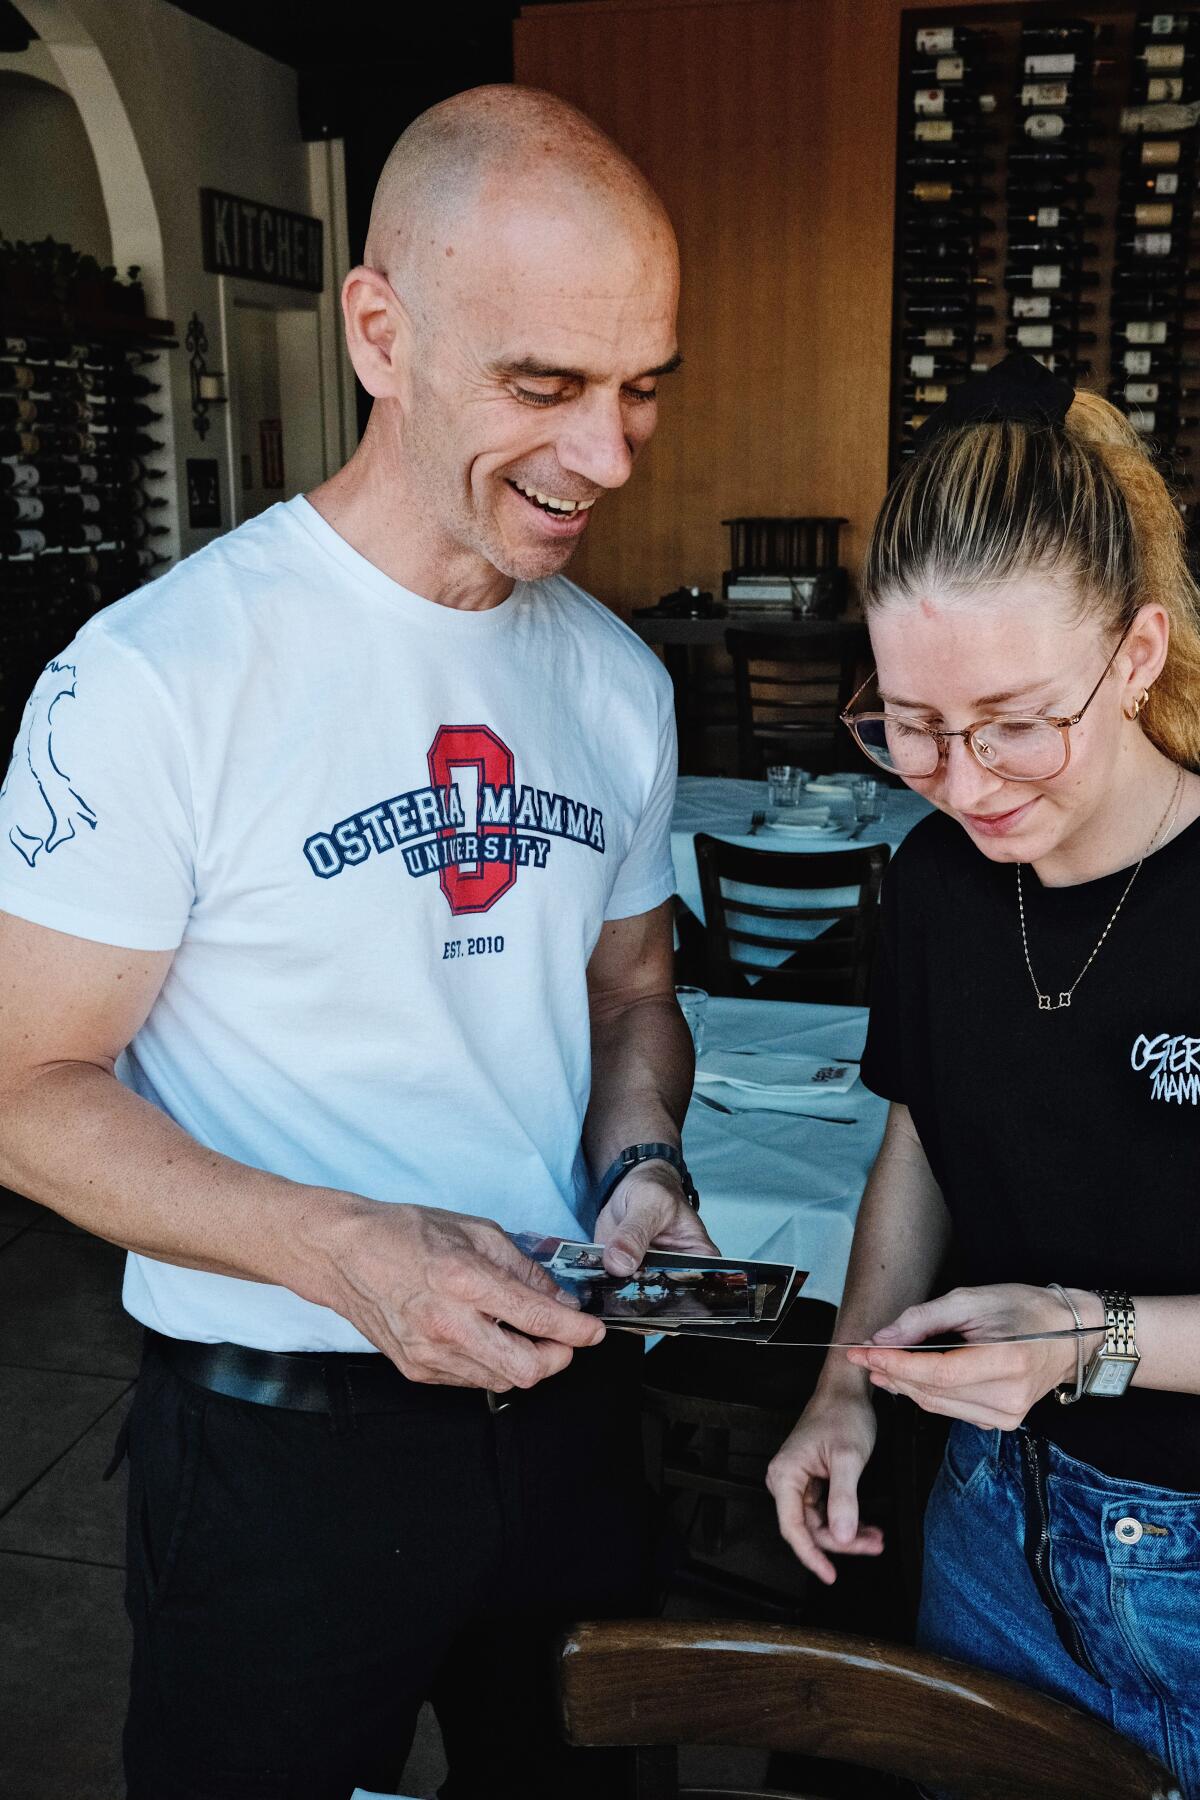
{"x": 514, "y": 316}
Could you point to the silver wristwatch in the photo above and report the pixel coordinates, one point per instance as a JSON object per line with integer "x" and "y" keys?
{"x": 1112, "y": 1364}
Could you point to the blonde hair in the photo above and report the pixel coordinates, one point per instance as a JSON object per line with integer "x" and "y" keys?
{"x": 987, "y": 503}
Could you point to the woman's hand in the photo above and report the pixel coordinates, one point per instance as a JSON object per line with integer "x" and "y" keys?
{"x": 814, "y": 1478}
{"x": 992, "y": 1384}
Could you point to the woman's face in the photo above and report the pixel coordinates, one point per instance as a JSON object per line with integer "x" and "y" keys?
{"x": 1023, "y": 648}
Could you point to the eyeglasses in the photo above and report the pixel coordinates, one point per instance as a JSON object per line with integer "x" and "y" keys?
{"x": 1011, "y": 746}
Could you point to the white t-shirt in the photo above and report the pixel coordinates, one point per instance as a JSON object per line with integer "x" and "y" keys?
{"x": 381, "y": 836}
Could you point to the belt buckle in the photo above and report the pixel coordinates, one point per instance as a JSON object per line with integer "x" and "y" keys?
{"x": 497, "y": 1403}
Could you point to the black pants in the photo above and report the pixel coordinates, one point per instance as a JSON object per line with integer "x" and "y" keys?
{"x": 300, "y": 1583}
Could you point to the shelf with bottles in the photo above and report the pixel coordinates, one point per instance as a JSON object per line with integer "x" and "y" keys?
{"x": 1154, "y": 294}
{"x": 83, "y": 499}
{"x": 948, "y": 174}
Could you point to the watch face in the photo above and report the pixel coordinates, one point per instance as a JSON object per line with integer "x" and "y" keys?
{"x": 1109, "y": 1376}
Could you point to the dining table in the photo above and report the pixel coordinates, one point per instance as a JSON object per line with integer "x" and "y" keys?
{"x": 726, "y": 809}
{"x": 784, "y": 1186}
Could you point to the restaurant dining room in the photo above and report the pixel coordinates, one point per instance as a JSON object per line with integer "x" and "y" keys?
{"x": 625, "y": 571}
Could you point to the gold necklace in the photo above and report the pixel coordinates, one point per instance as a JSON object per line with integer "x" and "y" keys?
{"x": 1045, "y": 1003}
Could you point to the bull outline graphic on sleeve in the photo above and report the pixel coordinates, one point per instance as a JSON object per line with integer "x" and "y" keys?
{"x": 35, "y": 777}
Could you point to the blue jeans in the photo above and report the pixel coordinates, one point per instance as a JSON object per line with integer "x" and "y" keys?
{"x": 1086, "y": 1587}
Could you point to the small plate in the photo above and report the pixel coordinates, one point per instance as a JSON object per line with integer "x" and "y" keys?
{"x": 828, "y": 828}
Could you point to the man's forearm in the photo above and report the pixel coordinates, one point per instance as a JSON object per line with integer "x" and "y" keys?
{"x": 72, "y": 1137}
{"x": 642, "y": 1067}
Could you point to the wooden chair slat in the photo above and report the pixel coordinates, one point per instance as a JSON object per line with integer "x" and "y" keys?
{"x": 661, "y": 1683}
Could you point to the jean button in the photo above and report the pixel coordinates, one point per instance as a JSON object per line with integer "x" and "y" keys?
{"x": 1128, "y": 1530}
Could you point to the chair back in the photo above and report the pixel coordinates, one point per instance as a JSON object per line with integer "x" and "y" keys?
{"x": 659, "y": 1682}
{"x": 751, "y": 896}
{"x": 789, "y": 693}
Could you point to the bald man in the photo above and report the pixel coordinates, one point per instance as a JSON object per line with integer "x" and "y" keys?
{"x": 348, "y": 960}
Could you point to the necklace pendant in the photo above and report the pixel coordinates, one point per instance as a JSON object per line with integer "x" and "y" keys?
{"x": 1063, "y": 1000}
{"x": 1044, "y": 1003}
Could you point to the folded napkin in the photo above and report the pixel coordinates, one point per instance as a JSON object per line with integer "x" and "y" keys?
{"x": 769, "y": 1080}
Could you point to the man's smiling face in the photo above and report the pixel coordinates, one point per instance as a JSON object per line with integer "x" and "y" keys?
{"x": 534, "y": 377}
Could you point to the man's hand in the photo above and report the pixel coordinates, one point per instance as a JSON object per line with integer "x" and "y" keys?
{"x": 451, "y": 1300}
{"x": 646, "y": 1211}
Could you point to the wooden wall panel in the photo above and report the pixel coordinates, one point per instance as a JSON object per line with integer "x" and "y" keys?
{"x": 769, "y": 128}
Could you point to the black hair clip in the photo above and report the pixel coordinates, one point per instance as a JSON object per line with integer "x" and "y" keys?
{"x": 1020, "y": 390}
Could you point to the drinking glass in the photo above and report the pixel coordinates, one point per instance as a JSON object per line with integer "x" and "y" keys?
{"x": 868, "y": 801}
{"x": 692, "y": 1004}
{"x": 785, "y": 785}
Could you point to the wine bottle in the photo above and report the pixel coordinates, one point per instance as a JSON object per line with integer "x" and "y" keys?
{"x": 926, "y": 393}
{"x": 1046, "y": 305}
{"x": 951, "y": 102}
{"x": 1157, "y": 365}
{"x": 1048, "y": 248}
{"x": 20, "y": 509}
{"x": 1155, "y": 244}
{"x": 950, "y": 337}
{"x": 927, "y": 366}
{"x": 1162, "y": 121}
{"x": 1151, "y": 421}
{"x": 1069, "y": 366}
{"x": 1154, "y": 26}
{"x": 946, "y": 252}
{"x": 1051, "y": 276}
{"x": 951, "y": 40}
{"x": 1149, "y": 333}
{"x": 1038, "y": 335}
{"x": 963, "y": 133}
{"x": 1166, "y": 184}
{"x": 934, "y": 193}
{"x": 1056, "y": 128}
{"x": 1152, "y": 393}
{"x": 21, "y": 541}
{"x": 16, "y": 410}
{"x": 1051, "y": 158}
{"x": 1151, "y": 215}
{"x": 78, "y": 506}
{"x": 18, "y": 443}
{"x": 17, "y": 375}
{"x": 1164, "y": 58}
{"x": 956, "y": 311}
{"x": 1051, "y": 218}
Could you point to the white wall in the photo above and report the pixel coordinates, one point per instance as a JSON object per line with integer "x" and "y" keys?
{"x": 49, "y": 185}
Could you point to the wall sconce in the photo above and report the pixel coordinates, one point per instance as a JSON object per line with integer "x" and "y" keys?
{"x": 208, "y": 385}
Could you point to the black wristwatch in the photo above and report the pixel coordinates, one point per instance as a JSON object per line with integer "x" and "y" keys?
{"x": 634, "y": 1154}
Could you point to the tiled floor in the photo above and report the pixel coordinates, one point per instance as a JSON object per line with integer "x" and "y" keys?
{"x": 68, "y": 1355}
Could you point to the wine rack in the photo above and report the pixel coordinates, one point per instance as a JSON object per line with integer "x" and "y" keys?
{"x": 944, "y": 223}
{"x": 82, "y": 488}
{"x": 1046, "y": 184}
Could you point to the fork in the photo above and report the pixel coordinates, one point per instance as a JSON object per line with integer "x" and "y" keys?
{"x": 756, "y": 823}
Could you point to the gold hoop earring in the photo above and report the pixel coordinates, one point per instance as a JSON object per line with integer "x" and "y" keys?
{"x": 1138, "y": 704}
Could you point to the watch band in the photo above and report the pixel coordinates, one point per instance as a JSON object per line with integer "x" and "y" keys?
{"x": 1120, "y": 1323}
{"x": 631, "y": 1156}
{"x": 1114, "y": 1362}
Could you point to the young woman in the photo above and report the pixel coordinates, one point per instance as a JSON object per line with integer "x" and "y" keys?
{"x": 1036, "y": 1028}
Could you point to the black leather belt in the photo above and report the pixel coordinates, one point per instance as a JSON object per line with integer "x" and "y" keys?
{"x": 311, "y": 1380}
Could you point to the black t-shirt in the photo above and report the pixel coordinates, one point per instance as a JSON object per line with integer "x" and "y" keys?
{"x": 1065, "y": 1142}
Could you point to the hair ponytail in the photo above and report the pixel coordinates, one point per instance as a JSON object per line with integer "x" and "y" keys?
{"x": 1171, "y": 716}
{"x": 986, "y": 503}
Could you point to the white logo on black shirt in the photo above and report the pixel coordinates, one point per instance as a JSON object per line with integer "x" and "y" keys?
{"x": 1173, "y": 1064}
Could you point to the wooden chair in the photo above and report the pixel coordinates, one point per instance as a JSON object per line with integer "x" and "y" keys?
{"x": 790, "y": 693}
{"x": 655, "y": 1684}
{"x": 835, "y": 967}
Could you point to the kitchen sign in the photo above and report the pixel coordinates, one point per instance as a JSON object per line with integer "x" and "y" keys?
{"x": 257, "y": 242}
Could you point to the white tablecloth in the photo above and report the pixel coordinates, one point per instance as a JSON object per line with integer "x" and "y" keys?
{"x": 724, "y": 809}
{"x": 774, "y": 1185}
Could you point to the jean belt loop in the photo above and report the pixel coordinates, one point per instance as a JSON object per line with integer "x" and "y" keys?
{"x": 342, "y": 1422}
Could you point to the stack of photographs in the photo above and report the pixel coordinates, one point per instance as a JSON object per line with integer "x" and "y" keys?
{"x": 687, "y": 1296}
